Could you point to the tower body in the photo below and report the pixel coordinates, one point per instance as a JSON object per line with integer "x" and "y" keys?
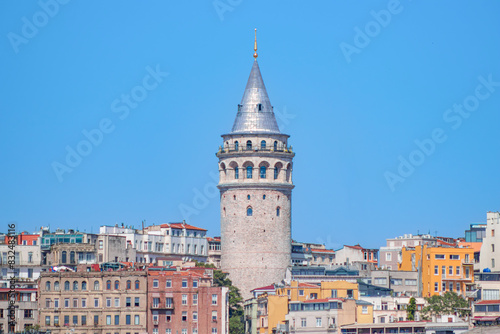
{"x": 255, "y": 167}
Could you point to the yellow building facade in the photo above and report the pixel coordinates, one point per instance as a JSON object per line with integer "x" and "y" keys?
{"x": 443, "y": 268}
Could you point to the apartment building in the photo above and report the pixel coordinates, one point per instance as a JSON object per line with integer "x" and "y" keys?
{"x": 185, "y": 301}
{"x": 181, "y": 240}
{"x": 443, "y": 268}
{"x": 93, "y": 302}
{"x": 348, "y": 255}
{"x": 25, "y": 309}
{"x": 214, "y": 251}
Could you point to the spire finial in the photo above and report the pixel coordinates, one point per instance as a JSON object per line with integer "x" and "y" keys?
{"x": 255, "y": 55}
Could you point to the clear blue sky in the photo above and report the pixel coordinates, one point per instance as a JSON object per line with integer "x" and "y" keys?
{"x": 353, "y": 103}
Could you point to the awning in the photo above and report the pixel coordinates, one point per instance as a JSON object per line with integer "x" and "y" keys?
{"x": 485, "y": 318}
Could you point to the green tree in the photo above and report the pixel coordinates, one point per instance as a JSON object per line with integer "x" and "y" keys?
{"x": 411, "y": 309}
{"x": 236, "y": 325}
{"x": 449, "y": 303}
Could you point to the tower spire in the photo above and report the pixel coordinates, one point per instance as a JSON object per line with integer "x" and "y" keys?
{"x": 255, "y": 55}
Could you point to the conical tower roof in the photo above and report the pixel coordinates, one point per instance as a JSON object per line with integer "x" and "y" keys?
{"x": 255, "y": 113}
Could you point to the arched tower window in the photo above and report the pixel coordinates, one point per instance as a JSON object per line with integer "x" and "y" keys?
{"x": 263, "y": 172}
{"x": 263, "y": 145}
{"x": 249, "y": 144}
{"x": 236, "y": 173}
{"x": 249, "y": 172}
{"x": 278, "y": 211}
{"x": 236, "y": 145}
{"x": 275, "y": 145}
{"x": 248, "y": 196}
{"x": 249, "y": 211}
{"x": 277, "y": 168}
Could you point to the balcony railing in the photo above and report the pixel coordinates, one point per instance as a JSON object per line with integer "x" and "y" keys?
{"x": 254, "y": 148}
{"x": 163, "y": 306}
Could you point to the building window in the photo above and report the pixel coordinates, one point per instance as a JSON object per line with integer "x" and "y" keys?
{"x": 249, "y": 144}
{"x": 108, "y": 302}
{"x": 127, "y": 319}
{"x": 128, "y": 302}
{"x": 301, "y": 292}
{"x": 214, "y": 299}
{"x": 364, "y": 309}
{"x": 137, "y": 320}
{"x": 236, "y": 173}
{"x": 318, "y": 321}
{"x": 263, "y": 172}
{"x": 184, "y": 283}
{"x": 96, "y": 285}
{"x": 137, "y": 285}
{"x": 117, "y": 285}
{"x": 47, "y": 286}
{"x": 66, "y": 286}
{"x": 195, "y": 299}
{"x": 436, "y": 270}
{"x": 108, "y": 285}
{"x": 184, "y": 315}
{"x": 168, "y": 283}
{"x": 84, "y": 285}
{"x": 492, "y": 263}
{"x": 439, "y": 256}
{"x": 275, "y": 145}
{"x": 249, "y": 172}
{"x": 56, "y": 303}
{"x": 195, "y": 316}
{"x": 75, "y": 286}
{"x": 278, "y": 211}
{"x": 249, "y": 211}
{"x": 96, "y": 320}
{"x": 263, "y": 145}
{"x": 303, "y": 322}
{"x": 66, "y": 320}
{"x": 100, "y": 244}
{"x": 96, "y": 302}
{"x": 184, "y": 299}
{"x": 63, "y": 257}
{"x": 457, "y": 270}
{"x": 129, "y": 285}
{"x": 47, "y": 320}
{"x": 75, "y": 302}
{"x": 236, "y": 145}
{"x": 108, "y": 320}
{"x": 195, "y": 283}
{"x": 84, "y": 320}
{"x": 84, "y": 302}
{"x": 75, "y": 320}
{"x": 214, "y": 330}
{"x": 214, "y": 316}
{"x": 56, "y": 286}
{"x": 450, "y": 270}
{"x": 117, "y": 319}
{"x": 136, "y": 301}
{"x": 56, "y": 320}
{"x": 72, "y": 257}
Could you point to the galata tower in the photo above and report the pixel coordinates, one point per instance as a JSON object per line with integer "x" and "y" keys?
{"x": 255, "y": 182}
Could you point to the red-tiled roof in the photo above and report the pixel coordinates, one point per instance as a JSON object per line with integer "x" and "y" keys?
{"x": 269, "y": 287}
{"x": 182, "y": 226}
{"x": 213, "y": 239}
{"x": 488, "y": 302}
{"x": 355, "y": 247}
{"x": 307, "y": 285}
{"x": 313, "y": 250}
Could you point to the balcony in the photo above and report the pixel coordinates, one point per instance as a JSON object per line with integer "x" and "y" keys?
{"x": 162, "y": 306}
{"x": 231, "y": 149}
